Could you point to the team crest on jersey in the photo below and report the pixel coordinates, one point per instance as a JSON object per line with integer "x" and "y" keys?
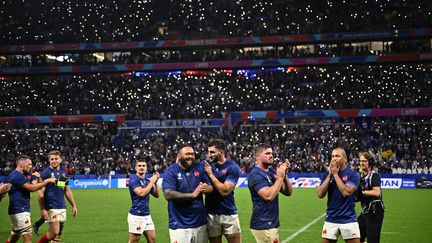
{"x": 179, "y": 176}
{"x": 63, "y": 174}
{"x": 345, "y": 178}
{"x": 196, "y": 173}
{"x": 139, "y": 228}
{"x": 224, "y": 171}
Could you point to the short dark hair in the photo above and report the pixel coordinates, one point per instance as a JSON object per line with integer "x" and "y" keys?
{"x": 181, "y": 146}
{"x": 370, "y": 158}
{"x": 54, "y": 152}
{"x": 218, "y": 144}
{"x": 261, "y": 147}
{"x": 21, "y": 157}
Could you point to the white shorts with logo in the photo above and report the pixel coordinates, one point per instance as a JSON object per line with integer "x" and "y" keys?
{"x": 21, "y": 223}
{"x": 189, "y": 235}
{"x": 56, "y": 215}
{"x": 266, "y": 236}
{"x": 348, "y": 231}
{"x": 222, "y": 224}
{"x": 139, "y": 224}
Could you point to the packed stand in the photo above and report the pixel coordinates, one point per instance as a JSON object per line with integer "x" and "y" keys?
{"x": 401, "y": 146}
{"x": 203, "y": 94}
{"x": 220, "y": 54}
{"x": 29, "y": 22}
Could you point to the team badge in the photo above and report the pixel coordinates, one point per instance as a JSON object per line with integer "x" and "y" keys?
{"x": 196, "y": 173}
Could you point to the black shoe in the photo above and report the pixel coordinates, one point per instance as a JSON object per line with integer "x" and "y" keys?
{"x": 35, "y": 229}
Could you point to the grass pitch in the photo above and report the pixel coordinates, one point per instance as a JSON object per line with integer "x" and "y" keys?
{"x": 102, "y": 216}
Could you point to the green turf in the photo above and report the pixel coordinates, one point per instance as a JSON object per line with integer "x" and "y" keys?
{"x": 102, "y": 216}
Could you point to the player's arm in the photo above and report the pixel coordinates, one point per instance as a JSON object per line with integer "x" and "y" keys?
{"x": 270, "y": 192}
{"x": 32, "y": 187}
{"x": 345, "y": 189}
{"x": 351, "y": 185}
{"x": 41, "y": 202}
{"x": 207, "y": 189}
{"x": 71, "y": 199}
{"x": 155, "y": 191}
{"x": 143, "y": 191}
{"x": 286, "y": 187}
{"x": 173, "y": 195}
{"x": 225, "y": 188}
{"x": 323, "y": 188}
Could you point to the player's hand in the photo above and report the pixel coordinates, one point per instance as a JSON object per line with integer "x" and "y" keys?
{"x": 207, "y": 168}
{"x": 197, "y": 192}
{"x": 44, "y": 214}
{"x": 281, "y": 170}
{"x": 36, "y": 174}
{"x": 154, "y": 177}
{"x": 204, "y": 187}
{"x": 288, "y": 166}
{"x": 334, "y": 168}
{"x": 51, "y": 180}
{"x": 5, "y": 187}
{"x": 74, "y": 211}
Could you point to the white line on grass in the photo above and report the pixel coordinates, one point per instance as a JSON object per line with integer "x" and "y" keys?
{"x": 303, "y": 228}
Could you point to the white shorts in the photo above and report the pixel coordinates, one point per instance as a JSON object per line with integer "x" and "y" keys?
{"x": 266, "y": 236}
{"x": 348, "y": 231}
{"x": 189, "y": 235}
{"x": 56, "y": 215}
{"x": 139, "y": 224}
{"x": 21, "y": 223}
{"x": 222, "y": 224}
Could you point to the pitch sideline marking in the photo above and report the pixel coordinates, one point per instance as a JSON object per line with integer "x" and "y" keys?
{"x": 303, "y": 229}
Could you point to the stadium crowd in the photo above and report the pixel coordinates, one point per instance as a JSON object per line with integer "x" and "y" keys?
{"x": 65, "y": 21}
{"x": 401, "y": 145}
{"x": 203, "y": 94}
{"x": 220, "y": 54}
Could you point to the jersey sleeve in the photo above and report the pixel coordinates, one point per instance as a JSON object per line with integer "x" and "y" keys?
{"x": 17, "y": 181}
{"x": 258, "y": 181}
{"x": 354, "y": 179}
{"x": 375, "y": 180}
{"x": 134, "y": 183}
{"x": 169, "y": 182}
{"x": 234, "y": 175}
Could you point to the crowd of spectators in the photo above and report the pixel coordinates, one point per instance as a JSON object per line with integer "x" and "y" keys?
{"x": 205, "y": 55}
{"x": 205, "y": 94}
{"x": 401, "y": 145}
{"x": 65, "y": 21}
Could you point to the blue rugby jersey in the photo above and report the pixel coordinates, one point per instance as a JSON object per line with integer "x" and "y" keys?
{"x": 54, "y": 196}
{"x": 190, "y": 214}
{"x": 265, "y": 214}
{"x": 140, "y": 205}
{"x": 341, "y": 209}
{"x": 19, "y": 198}
{"x": 215, "y": 203}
